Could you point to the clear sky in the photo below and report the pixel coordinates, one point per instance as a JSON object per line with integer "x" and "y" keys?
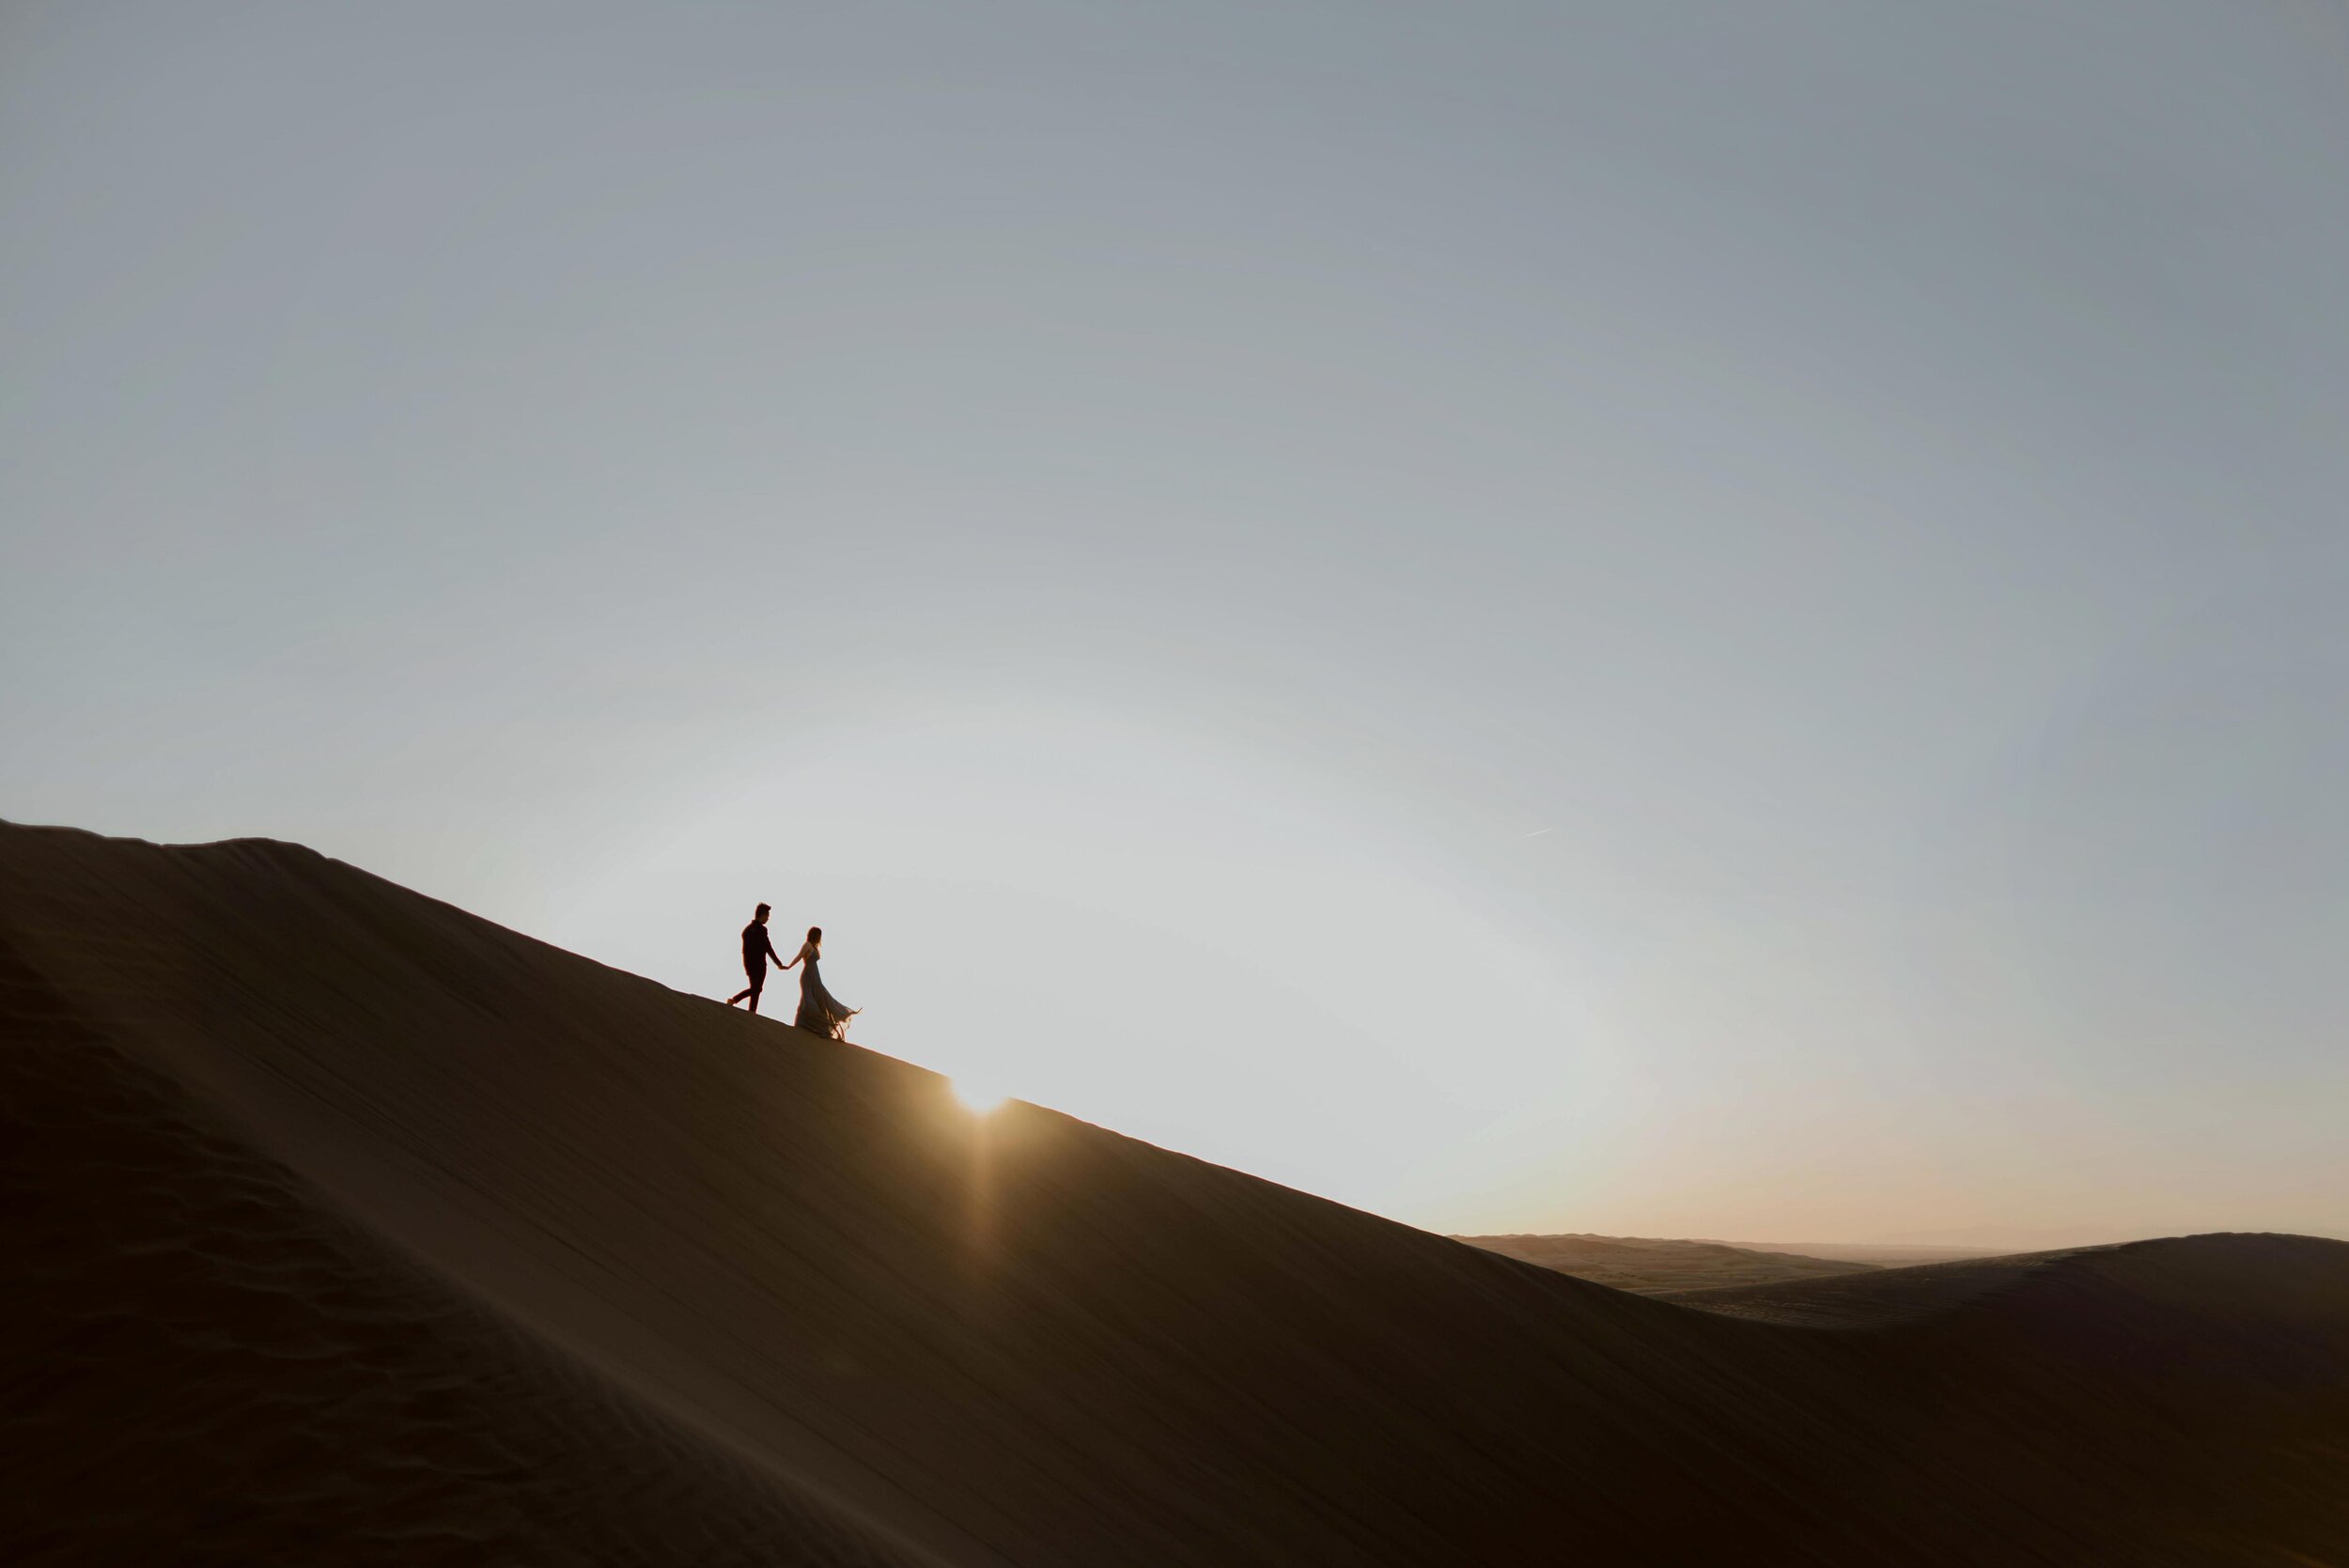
{"x": 1656, "y": 617}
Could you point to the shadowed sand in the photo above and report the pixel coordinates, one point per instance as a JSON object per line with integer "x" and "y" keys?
{"x": 343, "y": 1226}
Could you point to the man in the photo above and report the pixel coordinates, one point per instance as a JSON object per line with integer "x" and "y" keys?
{"x": 757, "y": 949}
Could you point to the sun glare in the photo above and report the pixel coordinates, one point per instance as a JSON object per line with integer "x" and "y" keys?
{"x": 976, "y": 1097}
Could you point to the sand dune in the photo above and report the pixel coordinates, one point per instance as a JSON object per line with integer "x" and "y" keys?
{"x": 1654, "y": 1266}
{"x": 344, "y": 1226}
{"x": 1882, "y": 1297}
{"x": 1888, "y": 1254}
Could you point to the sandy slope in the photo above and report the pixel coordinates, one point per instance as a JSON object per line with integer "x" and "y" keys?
{"x": 206, "y": 1363}
{"x": 344, "y": 1226}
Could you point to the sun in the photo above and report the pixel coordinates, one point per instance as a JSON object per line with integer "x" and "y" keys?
{"x": 977, "y": 1097}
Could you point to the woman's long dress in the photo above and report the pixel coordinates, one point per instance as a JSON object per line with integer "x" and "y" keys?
{"x": 819, "y": 1010}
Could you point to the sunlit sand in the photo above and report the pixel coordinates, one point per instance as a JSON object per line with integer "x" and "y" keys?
{"x": 978, "y": 1096}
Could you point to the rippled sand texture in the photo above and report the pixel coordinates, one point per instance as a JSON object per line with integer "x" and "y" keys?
{"x": 344, "y": 1227}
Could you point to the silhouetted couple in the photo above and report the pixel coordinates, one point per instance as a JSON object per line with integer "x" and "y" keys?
{"x": 818, "y": 1009}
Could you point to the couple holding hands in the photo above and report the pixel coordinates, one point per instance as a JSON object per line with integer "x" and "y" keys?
{"x": 819, "y": 1010}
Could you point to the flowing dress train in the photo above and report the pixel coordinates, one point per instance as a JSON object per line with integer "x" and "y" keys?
{"x": 819, "y": 1010}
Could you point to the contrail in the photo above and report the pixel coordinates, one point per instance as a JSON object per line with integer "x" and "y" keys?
{"x": 1536, "y": 832}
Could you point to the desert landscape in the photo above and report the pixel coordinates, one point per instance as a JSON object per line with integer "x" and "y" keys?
{"x": 1391, "y": 690}
{"x": 344, "y": 1226}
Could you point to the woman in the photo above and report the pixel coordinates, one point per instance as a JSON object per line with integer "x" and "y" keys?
{"x": 818, "y": 1011}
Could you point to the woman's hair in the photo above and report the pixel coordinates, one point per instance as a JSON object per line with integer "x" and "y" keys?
{"x": 816, "y": 933}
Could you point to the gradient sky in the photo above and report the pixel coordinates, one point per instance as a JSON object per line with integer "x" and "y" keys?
{"x": 1659, "y": 618}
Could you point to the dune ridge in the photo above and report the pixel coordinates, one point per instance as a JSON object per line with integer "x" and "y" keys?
{"x": 423, "y": 1241}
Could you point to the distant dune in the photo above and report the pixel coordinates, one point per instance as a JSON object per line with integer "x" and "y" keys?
{"x": 1888, "y": 1295}
{"x": 1652, "y": 1266}
{"x": 1879, "y": 1254}
{"x": 343, "y": 1226}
